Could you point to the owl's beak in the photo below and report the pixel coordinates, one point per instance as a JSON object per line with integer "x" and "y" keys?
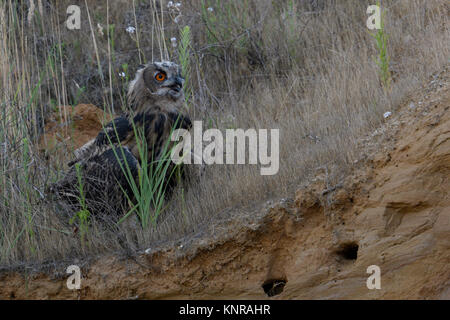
{"x": 175, "y": 88}
{"x": 177, "y": 85}
{"x": 179, "y": 82}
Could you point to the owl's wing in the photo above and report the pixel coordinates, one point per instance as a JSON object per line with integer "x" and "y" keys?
{"x": 114, "y": 132}
{"x": 120, "y": 129}
{"x": 180, "y": 121}
{"x": 107, "y": 181}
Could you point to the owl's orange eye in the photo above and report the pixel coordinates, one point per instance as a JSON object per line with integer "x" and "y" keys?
{"x": 160, "y": 76}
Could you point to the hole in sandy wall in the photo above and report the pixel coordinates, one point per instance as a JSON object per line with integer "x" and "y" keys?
{"x": 348, "y": 251}
{"x": 273, "y": 287}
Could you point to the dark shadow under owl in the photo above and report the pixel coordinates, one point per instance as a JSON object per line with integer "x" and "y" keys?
{"x": 156, "y": 101}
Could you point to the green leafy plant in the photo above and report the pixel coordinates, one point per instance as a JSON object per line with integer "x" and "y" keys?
{"x": 185, "y": 61}
{"x": 149, "y": 189}
{"x": 383, "y": 57}
{"x": 83, "y": 215}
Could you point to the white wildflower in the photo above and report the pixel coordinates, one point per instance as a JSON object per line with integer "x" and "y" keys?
{"x": 122, "y": 74}
{"x": 177, "y": 18}
{"x": 387, "y": 114}
{"x": 178, "y": 4}
{"x": 130, "y": 29}
{"x": 174, "y": 42}
{"x": 100, "y": 29}
{"x": 210, "y": 9}
{"x": 170, "y": 4}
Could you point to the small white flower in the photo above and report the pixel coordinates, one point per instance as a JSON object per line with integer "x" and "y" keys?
{"x": 210, "y": 9}
{"x": 169, "y": 4}
{"x": 178, "y": 4}
{"x": 100, "y": 29}
{"x": 130, "y": 29}
{"x": 122, "y": 74}
{"x": 174, "y": 42}
{"x": 177, "y": 19}
{"x": 387, "y": 114}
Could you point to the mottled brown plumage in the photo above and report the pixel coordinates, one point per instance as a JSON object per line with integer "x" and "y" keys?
{"x": 156, "y": 101}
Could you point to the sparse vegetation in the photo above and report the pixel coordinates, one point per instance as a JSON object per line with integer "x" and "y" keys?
{"x": 304, "y": 67}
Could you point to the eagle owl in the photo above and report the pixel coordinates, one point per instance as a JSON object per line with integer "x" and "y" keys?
{"x": 156, "y": 100}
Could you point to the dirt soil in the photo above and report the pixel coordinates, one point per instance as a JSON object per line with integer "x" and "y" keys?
{"x": 393, "y": 211}
{"x": 68, "y": 128}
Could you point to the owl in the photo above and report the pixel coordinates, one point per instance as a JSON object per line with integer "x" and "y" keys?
{"x": 105, "y": 165}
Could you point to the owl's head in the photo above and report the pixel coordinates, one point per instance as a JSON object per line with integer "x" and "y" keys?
{"x": 157, "y": 81}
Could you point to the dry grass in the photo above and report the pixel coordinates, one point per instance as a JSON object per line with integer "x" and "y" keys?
{"x": 304, "y": 67}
